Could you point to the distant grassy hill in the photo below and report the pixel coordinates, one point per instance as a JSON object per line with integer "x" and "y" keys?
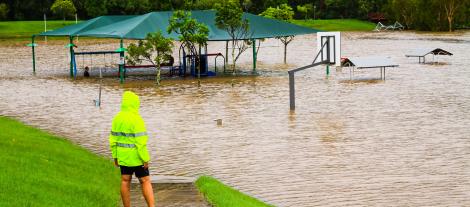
{"x": 336, "y": 24}
{"x": 24, "y": 29}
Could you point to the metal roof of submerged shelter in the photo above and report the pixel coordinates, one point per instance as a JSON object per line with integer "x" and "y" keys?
{"x": 369, "y": 62}
{"x": 137, "y": 27}
{"x": 424, "y": 52}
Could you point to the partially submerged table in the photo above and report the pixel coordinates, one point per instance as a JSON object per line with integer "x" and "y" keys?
{"x": 421, "y": 53}
{"x": 369, "y": 62}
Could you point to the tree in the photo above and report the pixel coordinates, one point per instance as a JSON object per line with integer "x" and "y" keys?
{"x": 302, "y": 10}
{"x": 285, "y": 13}
{"x": 404, "y": 11}
{"x": 305, "y": 9}
{"x": 309, "y": 7}
{"x": 95, "y": 8}
{"x": 273, "y": 3}
{"x": 192, "y": 34}
{"x": 364, "y": 7}
{"x": 435, "y": 15}
{"x": 451, "y": 7}
{"x": 204, "y": 4}
{"x": 123, "y": 7}
{"x": 229, "y": 17}
{"x": 63, "y": 7}
{"x": 3, "y": 11}
{"x": 247, "y": 4}
{"x": 155, "y": 49}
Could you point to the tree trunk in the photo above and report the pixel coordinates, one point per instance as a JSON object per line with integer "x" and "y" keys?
{"x": 450, "y": 19}
{"x": 233, "y": 57}
{"x": 158, "y": 74}
{"x": 450, "y": 9}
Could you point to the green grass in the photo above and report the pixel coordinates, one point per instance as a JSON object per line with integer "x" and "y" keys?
{"x": 220, "y": 195}
{"x": 337, "y": 24}
{"x": 40, "y": 169}
{"x": 25, "y": 29}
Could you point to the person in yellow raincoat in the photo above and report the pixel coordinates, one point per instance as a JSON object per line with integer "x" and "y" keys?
{"x": 128, "y": 143}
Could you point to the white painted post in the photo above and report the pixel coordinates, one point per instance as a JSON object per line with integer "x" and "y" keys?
{"x": 76, "y": 22}
{"x": 45, "y": 27}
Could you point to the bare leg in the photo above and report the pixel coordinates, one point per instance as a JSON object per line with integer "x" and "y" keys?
{"x": 147, "y": 190}
{"x": 126, "y": 190}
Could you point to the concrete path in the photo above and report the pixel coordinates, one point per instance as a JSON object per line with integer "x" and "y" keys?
{"x": 170, "y": 191}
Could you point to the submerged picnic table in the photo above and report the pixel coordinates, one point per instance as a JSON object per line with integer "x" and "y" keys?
{"x": 369, "y": 62}
{"x": 421, "y": 53}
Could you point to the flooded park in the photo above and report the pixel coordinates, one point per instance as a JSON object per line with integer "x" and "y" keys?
{"x": 352, "y": 141}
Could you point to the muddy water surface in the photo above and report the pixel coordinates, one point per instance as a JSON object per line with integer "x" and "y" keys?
{"x": 404, "y": 141}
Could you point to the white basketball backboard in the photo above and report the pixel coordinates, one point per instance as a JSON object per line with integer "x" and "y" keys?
{"x": 334, "y": 47}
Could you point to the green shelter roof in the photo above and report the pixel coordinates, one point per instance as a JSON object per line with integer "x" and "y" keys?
{"x": 77, "y": 29}
{"x": 137, "y": 27}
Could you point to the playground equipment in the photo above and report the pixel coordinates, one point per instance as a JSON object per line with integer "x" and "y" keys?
{"x": 137, "y": 27}
{"x": 381, "y": 27}
{"x": 422, "y": 53}
{"x": 107, "y": 64}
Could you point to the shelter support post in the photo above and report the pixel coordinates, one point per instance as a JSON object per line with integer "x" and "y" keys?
{"x": 71, "y": 55}
{"x": 327, "y": 69}
{"x": 384, "y": 73}
{"x": 199, "y": 66}
{"x": 34, "y": 55}
{"x": 226, "y": 52}
{"x": 253, "y": 41}
{"x": 121, "y": 63}
{"x": 291, "y": 91}
{"x": 184, "y": 62}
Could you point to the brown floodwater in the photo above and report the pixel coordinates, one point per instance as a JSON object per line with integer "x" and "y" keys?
{"x": 360, "y": 142}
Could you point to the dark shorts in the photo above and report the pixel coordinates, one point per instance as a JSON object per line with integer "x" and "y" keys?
{"x": 139, "y": 171}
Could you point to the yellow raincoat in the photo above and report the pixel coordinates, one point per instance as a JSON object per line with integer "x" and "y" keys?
{"x": 128, "y": 138}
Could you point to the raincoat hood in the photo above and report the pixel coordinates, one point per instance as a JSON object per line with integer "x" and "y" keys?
{"x": 130, "y": 102}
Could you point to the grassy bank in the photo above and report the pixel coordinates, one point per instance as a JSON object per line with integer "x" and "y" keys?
{"x": 24, "y": 29}
{"x": 336, "y": 24}
{"x": 40, "y": 169}
{"x": 220, "y": 195}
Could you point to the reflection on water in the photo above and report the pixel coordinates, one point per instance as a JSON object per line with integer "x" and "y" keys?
{"x": 403, "y": 141}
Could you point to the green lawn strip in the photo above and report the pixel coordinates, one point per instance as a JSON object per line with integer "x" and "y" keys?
{"x": 220, "y": 195}
{"x": 22, "y": 30}
{"x": 25, "y": 29}
{"x": 40, "y": 169}
{"x": 336, "y": 24}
